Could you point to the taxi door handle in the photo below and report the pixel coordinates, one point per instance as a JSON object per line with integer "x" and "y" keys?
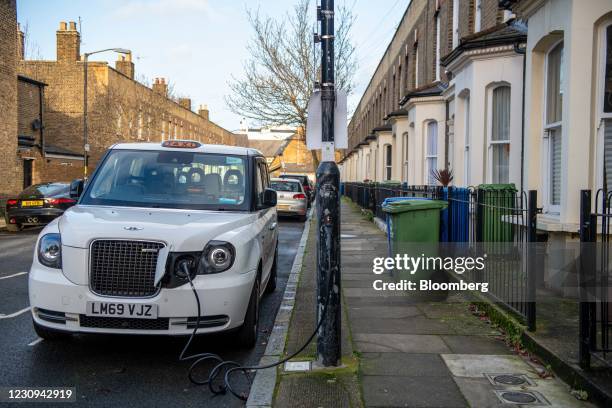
{"x": 273, "y": 226}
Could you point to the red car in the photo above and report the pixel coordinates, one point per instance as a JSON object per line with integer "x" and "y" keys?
{"x": 37, "y": 205}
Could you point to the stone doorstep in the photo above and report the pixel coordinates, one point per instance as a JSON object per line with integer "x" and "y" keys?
{"x": 261, "y": 393}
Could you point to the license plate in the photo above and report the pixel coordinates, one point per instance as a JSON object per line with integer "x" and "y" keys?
{"x": 128, "y": 310}
{"x": 32, "y": 203}
{"x": 284, "y": 206}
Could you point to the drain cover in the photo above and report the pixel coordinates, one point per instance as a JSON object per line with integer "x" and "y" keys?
{"x": 508, "y": 379}
{"x": 521, "y": 397}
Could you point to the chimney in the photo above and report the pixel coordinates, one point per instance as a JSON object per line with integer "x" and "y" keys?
{"x": 20, "y": 43}
{"x": 160, "y": 86}
{"x": 203, "y": 111}
{"x": 68, "y": 43}
{"x": 125, "y": 65}
{"x": 185, "y": 103}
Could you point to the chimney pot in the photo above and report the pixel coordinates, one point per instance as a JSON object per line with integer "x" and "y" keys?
{"x": 68, "y": 43}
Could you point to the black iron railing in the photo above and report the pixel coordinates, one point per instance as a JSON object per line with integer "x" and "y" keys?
{"x": 594, "y": 278}
{"x": 497, "y": 221}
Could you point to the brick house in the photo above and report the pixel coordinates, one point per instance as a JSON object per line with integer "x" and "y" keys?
{"x": 10, "y": 165}
{"x": 120, "y": 109}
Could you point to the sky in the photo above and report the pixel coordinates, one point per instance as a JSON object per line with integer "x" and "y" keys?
{"x": 198, "y": 45}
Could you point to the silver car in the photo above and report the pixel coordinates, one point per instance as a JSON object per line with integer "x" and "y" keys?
{"x": 291, "y": 198}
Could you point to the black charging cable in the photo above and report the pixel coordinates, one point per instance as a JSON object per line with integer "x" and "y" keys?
{"x": 232, "y": 367}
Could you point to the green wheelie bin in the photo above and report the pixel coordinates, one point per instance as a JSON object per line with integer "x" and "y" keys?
{"x": 498, "y": 202}
{"x": 414, "y": 229}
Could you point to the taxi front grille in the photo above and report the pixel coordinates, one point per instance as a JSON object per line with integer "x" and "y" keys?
{"x": 123, "y": 268}
{"x": 103, "y": 322}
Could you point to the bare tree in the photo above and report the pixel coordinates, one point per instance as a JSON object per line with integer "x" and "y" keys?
{"x": 283, "y": 64}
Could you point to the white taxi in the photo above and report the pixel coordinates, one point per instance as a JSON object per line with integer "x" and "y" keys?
{"x": 116, "y": 262}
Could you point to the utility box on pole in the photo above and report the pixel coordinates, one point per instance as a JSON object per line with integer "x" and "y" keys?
{"x": 328, "y": 204}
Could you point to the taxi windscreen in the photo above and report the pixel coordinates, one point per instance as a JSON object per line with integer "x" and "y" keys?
{"x": 169, "y": 179}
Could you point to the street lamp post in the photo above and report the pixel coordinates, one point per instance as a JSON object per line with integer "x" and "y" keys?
{"x": 328, "y": 203}
{"x": 85, "y": 138}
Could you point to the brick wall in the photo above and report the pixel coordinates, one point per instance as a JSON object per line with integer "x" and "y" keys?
{"x": 10, "y": 166}
{"x": 491, "y": 14}
{"x": 119, "y": 108}
{"x": 56, "y": 169}
{"x": 28, "y": 108}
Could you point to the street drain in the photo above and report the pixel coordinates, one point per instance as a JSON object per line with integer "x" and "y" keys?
{"x": 509, "y": 379}
{"x": 521, "y": 397}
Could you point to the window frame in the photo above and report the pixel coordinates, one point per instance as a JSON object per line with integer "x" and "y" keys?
{"x": 388, "y": 161}
{"x": 477, "y": 16}
{"x": 547, "y": 128}
{"x": 455, "y": 26}
{"x": 492, "y": 143}
{"x": 428, "y": 179}
{"x": 466, "y": 139}
{"x": 602, "y": 116}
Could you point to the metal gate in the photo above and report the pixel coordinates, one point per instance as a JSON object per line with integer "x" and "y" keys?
{"x": 594, "y": 276}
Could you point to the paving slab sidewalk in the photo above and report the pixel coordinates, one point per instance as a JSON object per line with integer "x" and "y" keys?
{"x": 402, "y": 349}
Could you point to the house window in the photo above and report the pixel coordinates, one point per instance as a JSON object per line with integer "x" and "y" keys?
{"x": 438, "y": 47}
{"x": 552, "y": 127}
{"x": 367, "y": 166}
{"x": 388, "y": 161}
{"x": 500, "y": 135}
{"x": 416, "y": 66}
{"x": 606, "y": 105}
{"x": 431, "y": 155}
{"x": 477, "y": 15}
{"x": 466, "y": 146}
{"x": 455, "y": 23}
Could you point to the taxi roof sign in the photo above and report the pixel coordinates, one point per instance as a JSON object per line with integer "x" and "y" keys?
{"x": 181, "y": 144}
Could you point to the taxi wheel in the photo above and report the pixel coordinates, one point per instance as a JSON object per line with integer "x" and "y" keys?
{"x": 247, "y": 334}
{"x": 49, "y": 334}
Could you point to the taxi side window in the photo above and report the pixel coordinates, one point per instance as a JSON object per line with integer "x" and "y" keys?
{"x": 259, "y": 185}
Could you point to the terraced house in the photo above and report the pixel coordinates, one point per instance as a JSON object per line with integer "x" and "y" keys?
{"x": 44, "y": 108}
{"x": 498, "y": 92}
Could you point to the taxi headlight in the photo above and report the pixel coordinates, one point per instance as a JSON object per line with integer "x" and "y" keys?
{"x": 50, "y": 251}
{"x": 218, "y": 256}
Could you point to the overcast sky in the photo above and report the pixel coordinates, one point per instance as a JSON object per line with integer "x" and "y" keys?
{"x": 197, "y": 44}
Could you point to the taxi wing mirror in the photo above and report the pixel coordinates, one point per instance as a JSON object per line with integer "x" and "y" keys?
{"x": 269, "y": 199}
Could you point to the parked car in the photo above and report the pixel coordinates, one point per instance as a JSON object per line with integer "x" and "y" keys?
{"x": 306, "y": 184}
{"x": 37, "y": 205}
{"x": 291, "y": 198}
{"x": 152, "y": 219}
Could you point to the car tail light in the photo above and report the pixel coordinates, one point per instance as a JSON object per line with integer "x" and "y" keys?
{"x": 11, "y": 202}
{"x": 56, "y": 201}
{"x": 299, "y": 196}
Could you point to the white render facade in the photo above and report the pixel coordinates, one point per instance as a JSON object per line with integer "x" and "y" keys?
{"x": 552, "y": 133}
